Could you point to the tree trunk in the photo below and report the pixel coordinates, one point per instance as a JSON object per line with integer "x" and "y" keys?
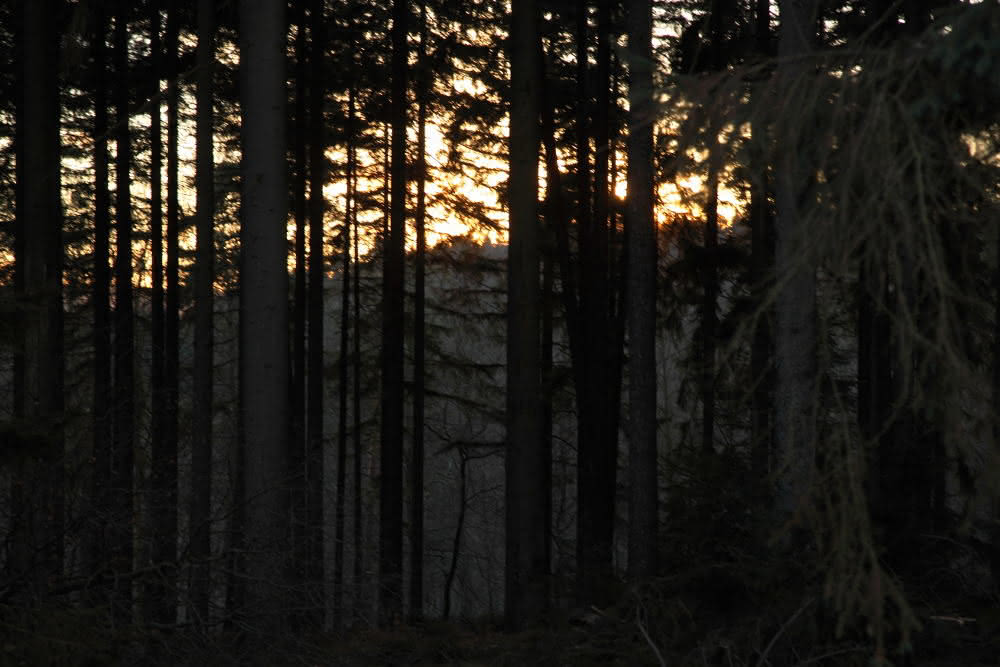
{"x": 547, "y": 369}
{"x": 201, "y": 446}
{"x": 342, "y": 367}
{"x": 761, "y": 279}
{"x": 356, "y": 413}
{"x": 37, "y": 525}
{"x": 641, "y": 300}
{"x": 599, "y": 376}
{"x": 156, "y": 592}
{"x": 456, "y": 541}
{"x": 296, "y": 450}
{"x": 317, "y": 258}
{"x": 54, "y": 477}
{"x": 874, "y": 379}
{"x": 391, "y": 490}
{"x": 995, "y": 500}
{"x": 19, "y": 557}
{"x": 710, "y": 291}
{"x": 165, "y": 548}
{"x": 417, "y": 497}
{"x": 123, "y": 346}
{"x": 526, "y": 557}
{"x": 101, "y": 301}
{"x": 795, "y": 332}
{"x": 264, "y": 302}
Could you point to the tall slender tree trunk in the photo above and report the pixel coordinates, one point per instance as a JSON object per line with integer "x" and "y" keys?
{"x": 717, "y": 59}
{"x": 583, "y": 108}
{"x": 201, "y": 447}
{"x": 123, "y": 346}
{"x": 710, "y": 291}
{"x": 796, "y": 327}
{"x": 296, "y": 451}
{"x": 995, "y": 500}
{"x": 165, "y": 549}
{"x": 641, "y": 299}
{"x": 527, "y": 544}
{"x": 356, "y": 414}
{"x": 547, "y": 367}
{"x": 54, "y": 481}
{"x": 874, "y": 378}
{"x": 456, "y": 541}
{"x": 599, "y": 376}
{"x": 317, "y": 273}
{"x": 37, "y": 530}
{"x": 101, "y": 301}
{"x": 264, "y": 302}
{"x": 342, "y": 368}
{"x": 18, "y": 559}
{"x": 156, "y": 591}
{"x": 557, "y": 257}
{"x": 391, "y": 490}
{"x": 383, "y": 239}
{"x": 761, "y": 272}
{"x": 417, "y": 498}
{"x": 557, "y": 215}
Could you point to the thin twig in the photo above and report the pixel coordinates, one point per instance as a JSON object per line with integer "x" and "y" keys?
{"x": 781, "y": 631}
{"x": 649, "y": 640}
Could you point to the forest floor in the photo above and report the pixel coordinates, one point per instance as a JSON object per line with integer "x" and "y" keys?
{"x": 609, "y": 639}
{"x": 722, "y": 614}
{"x": 967, "y": 636}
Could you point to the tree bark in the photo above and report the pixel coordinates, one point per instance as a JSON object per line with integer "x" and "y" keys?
{"x": 159, "y": 589}
{"x": 417, "y": 498}
{"x": 761, "y": 271}
{"x": 875, "y": 388}
{"x": 123, "y": 346}
{"x": 391, "y": 490}
{"x": 342, "y": 368}
{"x": 995, "y": 513}
{"x": 641, "y": 299}
{"x": 317, "y": 274}
{"x": 264, "y": 302}
{"x": 296, "y": 450}
{"x": 101, "y": 300}
{"x": 356, "y": 425}
{"x": 37, "y": 522}
{"x": 710, "y": 291}
{"x": 201, "y": 446}
{"x": 166, "y": 474}
{"x": 456, "y": 541}
{"x": 795, "y": 332}
{"x": 599, "y": 377}
{"x": 526, "y": 554}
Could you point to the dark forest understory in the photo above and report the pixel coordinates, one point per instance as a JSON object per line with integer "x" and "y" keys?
{"x": 549, "y": 332}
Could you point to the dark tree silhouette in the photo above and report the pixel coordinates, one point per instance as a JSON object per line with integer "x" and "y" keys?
{"x": 123, "y": 394}
{"x": 166, "y": 467}
{"x": 761, "y": 270}
{"x": 342, "y": 371}
{"x": 419, "y": 331}
{"x": 263, "y": 302}
{"x": 201, "y": 447}
{"x": 296, "y": 450}
{"x": 317, "y": 261}
{"x": 795, "y": 305}
{"x": 527, "y": 548}
{"x": 101, "y": 299}
{"x": 36, "y": 551}
{"x": 641, "y": 301}
{"x": 391, "y": 489}
{"x": 160, "y": 590}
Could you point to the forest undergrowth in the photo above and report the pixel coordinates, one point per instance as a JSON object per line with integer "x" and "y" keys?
{"x": 728, "y": 609}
